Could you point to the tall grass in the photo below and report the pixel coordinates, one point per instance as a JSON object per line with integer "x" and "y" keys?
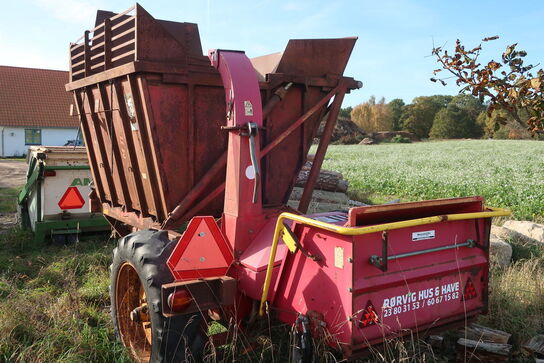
{"x": 54, "y": 302}
{"x": 516, "y": 303}
{"x": 54, "y": 307}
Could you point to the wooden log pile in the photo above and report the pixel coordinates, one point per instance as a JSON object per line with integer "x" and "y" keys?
{"x": 535, "y": 347}
{"x": 328, "y": 180}
{"x": 483, "y": 344}
{"x": 329, "y": 192}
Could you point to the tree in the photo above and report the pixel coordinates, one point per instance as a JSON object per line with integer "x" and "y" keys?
{"x": 419, "y": 116}
{"x": 492, "y": 127}
{"x": 345, "y": 112}
{"x": 468, "y": 103}
{"x": 507, "y": 85}
{"x": 371, "y": 116}
{"x": 396, "y": 108}
{"x": 454, "y": 122}
{"x": 487, "y": 123}
{"x": 458, "y": 119}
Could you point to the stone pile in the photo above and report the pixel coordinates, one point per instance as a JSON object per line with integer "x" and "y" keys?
{"x": 522, "y": 231}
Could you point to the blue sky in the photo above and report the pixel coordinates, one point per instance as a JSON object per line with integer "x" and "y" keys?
{"x": 391, "y": 57}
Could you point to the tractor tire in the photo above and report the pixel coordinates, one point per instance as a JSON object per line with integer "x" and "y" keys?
{"x": 137, "y": 273}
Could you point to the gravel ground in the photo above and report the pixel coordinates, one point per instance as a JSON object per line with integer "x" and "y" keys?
{"x": 12, "y": 173}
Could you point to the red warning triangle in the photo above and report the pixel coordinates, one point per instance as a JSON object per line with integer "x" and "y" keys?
{"x": 201, "y": 252}
{"x": 369, "y": 316}
{"x": 71, "y": 199}
{"x": 470, "y": 291}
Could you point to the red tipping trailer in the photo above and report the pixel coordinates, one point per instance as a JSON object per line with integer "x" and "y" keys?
{"x": 176, "y": 137}
{"x": 152, "y": 107}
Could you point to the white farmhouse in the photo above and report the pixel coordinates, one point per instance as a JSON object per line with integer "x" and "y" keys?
{"x": 34, "y": 110}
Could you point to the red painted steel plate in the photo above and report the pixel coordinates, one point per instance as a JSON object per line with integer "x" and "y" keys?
{"x": 424, "y": 286}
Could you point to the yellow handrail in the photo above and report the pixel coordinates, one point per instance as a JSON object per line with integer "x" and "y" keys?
{"x": 357, "y": 231}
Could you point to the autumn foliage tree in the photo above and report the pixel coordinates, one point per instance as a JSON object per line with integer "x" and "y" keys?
{"x": 372, "y": 116}
{"x": 508, "y": 84}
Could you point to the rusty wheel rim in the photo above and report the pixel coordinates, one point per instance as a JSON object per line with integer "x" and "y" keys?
{"x": 129, "y": 295}
{"x": 146, "y": 324}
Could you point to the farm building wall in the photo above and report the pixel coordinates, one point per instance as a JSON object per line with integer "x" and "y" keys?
{"x": 12, "y": 139}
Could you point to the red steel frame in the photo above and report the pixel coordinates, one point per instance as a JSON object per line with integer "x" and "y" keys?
{"x": 129, "y": 89}
{"x": 333, "y": 289}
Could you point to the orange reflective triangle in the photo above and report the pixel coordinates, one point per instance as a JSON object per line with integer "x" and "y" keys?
{"x": 470, "y": 291}
{"x": 369, "y": 316}
{"x": 71, "y": 199}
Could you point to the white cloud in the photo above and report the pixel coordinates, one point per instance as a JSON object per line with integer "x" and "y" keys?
{"x": 71, "y": 11}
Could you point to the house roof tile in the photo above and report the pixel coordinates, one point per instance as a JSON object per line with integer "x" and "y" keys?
{"x": 34, "y": 97}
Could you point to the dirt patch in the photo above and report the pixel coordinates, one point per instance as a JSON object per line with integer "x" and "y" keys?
{"x": 12, "y": 173}
{"x": 7, "y": 221}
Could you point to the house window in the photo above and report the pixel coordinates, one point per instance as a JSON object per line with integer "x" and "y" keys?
{"x": 33, "y": 137}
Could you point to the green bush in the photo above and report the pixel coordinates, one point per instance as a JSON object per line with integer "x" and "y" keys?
{"x": 418, "y": 117}
{"x": 399, "y": 139}
{"x": 501, "y": 134}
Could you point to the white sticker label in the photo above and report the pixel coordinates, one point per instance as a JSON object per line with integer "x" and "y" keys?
{"x": 339, "y": 257}
{"x": 248, "y": 108}
{"x": 250, "y": 172}
{"x": 131, "y": 110}
{"x": 419, "y": 236}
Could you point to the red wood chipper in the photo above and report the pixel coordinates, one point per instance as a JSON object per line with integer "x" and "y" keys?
{"x": 194, "y": 158}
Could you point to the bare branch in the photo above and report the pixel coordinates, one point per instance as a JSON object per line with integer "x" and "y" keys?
{"x": 513, "y": 89}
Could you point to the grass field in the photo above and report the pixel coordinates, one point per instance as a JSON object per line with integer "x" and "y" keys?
{"x": 508, "y": 173}
{"x": 55, "y": 307}
{"x": 54, "y": 303}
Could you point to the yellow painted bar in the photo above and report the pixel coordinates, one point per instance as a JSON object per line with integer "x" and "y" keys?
{"x": 357, "y": 231}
